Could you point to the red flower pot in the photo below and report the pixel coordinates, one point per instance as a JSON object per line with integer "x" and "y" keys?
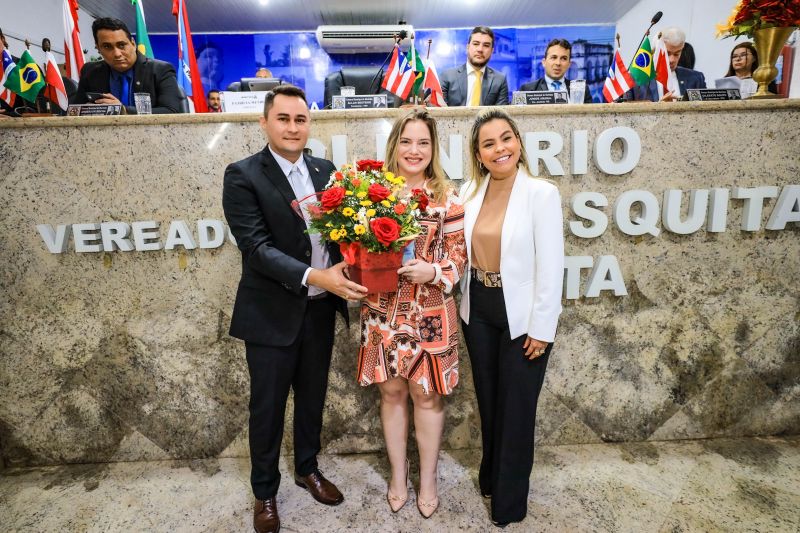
{"x": 377, "y": 271}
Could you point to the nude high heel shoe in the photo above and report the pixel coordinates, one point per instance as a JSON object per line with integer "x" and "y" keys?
{"x": 398, "y": 502}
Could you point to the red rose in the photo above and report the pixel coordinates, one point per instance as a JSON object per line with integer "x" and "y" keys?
{"x": 356, "y": 182}
{"x": 339, "y": 176}
{"x": 369, "y": 164}
{"x": 421, "y": 198}
{"x": 378, "y": 192}
{"x": 399, "y": 208}
{"x": 386, "y": 230}
{"x": 332, "y": 198}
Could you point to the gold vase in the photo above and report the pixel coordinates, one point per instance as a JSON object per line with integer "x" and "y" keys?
{"x": 769, "y": 43}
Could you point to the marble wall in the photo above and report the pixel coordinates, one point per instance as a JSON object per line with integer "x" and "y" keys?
{"x": 125, "y": 355}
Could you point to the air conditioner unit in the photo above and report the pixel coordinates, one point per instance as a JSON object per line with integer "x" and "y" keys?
{"x": 361, "y": 39}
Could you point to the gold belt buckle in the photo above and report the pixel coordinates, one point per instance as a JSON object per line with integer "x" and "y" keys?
{"x": 488, "y": 279}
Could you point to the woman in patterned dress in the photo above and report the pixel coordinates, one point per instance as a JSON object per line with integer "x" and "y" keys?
{"x": 409, "y": 338}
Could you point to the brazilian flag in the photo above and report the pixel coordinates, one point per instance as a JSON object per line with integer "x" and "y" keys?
{"x": 142, "y": 39}
{"x": 418, "y": 67}
{"x": 26, "y": 78}
{"x": 642, "y": 69}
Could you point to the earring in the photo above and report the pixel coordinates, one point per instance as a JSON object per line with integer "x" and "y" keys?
{"x": 480, "y": 166}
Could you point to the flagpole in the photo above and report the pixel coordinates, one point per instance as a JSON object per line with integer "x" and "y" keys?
{"x": 45, "y": 49}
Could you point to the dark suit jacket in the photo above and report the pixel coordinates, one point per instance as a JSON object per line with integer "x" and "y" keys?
{"x": 149, "y": 76}
{"x": 687, "y": 78}
{"x": 276, "y": 251}
{"x": 494, "y": 87}
{"x": 541, "y": 85}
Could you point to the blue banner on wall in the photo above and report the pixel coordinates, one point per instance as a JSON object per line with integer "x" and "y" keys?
{"x": 297, "y": 58}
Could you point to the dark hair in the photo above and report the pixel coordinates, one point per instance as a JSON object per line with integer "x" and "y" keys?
{"x": 107, "y": 23}
{"x": 208, "y": 44}
{"x": 749, "y": 46}
{"x": 485, "y": 30}
{"x": 687, "y": 57}
{"x": 563, "y": 43}
{"x": 212, "y": 91}
{"x": 285, "y": 90}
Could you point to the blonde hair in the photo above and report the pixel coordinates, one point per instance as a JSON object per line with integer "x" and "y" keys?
{"x": 476, "y": 168}
{"x": 435, "y": 175}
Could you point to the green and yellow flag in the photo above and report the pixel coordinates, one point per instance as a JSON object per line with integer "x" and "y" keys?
{"x": 418, "y": 67}
{"x": 26, "y": 78}
{"x": 642, "y": 69}
{"x": 142, "y": 39}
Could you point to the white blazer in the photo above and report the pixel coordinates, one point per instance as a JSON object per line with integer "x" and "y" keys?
{"x": 531, "y": 255}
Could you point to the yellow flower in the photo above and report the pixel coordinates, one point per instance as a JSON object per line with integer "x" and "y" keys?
{"x": 359, "y": 229}
{"x": 361, "y": 194}
{"x": 389, "y": 176}
{"x": 386, "y": 203}
{"x": 370, "y": 212}
{"x": 413, "y": 205}
{"x": 367, "y": 203}
{"x": 349, "y": 193}
{"x": 348, "y": 212}
{"x": 392, "y": 198}
{"x": 334, "y": 234}
{"x": 329, "y": 225}
{"x": 342, "y": 233}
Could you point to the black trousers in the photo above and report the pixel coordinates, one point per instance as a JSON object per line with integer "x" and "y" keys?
{"x": 303, "y": 366}
{"x": 507, "y": 386}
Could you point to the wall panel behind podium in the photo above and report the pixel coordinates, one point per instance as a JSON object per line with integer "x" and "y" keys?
{"x": 124, "y": 355}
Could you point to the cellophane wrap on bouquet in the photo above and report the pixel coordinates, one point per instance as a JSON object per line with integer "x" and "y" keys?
{"x": 361, "y": 210}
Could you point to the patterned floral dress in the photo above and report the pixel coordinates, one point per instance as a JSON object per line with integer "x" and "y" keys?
{"x": 413, "y": 333}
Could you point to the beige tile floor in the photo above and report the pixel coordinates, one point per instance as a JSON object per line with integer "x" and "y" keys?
{"x": 750, "y": 484}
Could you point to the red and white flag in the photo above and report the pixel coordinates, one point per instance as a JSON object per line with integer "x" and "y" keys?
{"x": 400, "y": 77}
{"x": 661, "y": 63}
{"x": 619, "y": 80}
{"x": 55, "y": 90}
{"x": 7, "y": 65}
{"x": 73, "y": 50}
{"x": 188, "y": 73}
{"x": 432, "y": 86}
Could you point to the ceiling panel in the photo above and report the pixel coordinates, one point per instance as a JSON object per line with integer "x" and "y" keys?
{"x": 231, "y": 16}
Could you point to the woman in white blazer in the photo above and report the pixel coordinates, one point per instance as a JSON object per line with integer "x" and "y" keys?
{"x": 511, "y": 300}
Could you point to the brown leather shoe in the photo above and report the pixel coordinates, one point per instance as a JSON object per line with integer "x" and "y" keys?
{"x": 265, "y": 516}
{"x": 320, "y": 488}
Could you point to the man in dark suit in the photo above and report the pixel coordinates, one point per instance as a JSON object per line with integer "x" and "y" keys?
{"x": 287, "y": 299}
{"x": 680, "y": 78}
{"x": 475, "y": 83}
{"x": 557, "y": 60}
{"x": 124, "y": 71}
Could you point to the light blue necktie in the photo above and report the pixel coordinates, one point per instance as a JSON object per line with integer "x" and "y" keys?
{"x": 556, "y": 85}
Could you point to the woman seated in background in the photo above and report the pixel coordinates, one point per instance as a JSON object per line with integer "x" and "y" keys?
{"x": 744, "y": 61}
{"x": 409, "y": 338}
{"x": 510, "y": 302}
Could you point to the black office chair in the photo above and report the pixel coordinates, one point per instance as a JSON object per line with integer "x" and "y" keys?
{"x": 184, "y": 101}
{"x": 71, "y": 86}
{"x": 234, "y": 86}
{"x": 364, "y": 79}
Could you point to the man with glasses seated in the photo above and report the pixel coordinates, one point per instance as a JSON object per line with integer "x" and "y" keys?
{"x": 124, "y": 71}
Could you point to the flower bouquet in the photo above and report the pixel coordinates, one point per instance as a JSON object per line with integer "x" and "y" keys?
{"x": 751, "y": 15}
{"x": 360, "y": 209}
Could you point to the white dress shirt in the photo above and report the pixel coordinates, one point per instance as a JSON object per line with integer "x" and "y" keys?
{"x": 673, "y": 84}
{"x": 303, "y": 187}
{"x": 471, "y": 80}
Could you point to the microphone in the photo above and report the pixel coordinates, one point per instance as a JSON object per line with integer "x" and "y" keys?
{"x": 656, "y": 17}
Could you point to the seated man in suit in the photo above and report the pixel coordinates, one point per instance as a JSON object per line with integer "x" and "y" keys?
{"x": 474, "y": 83}
{"x": 124, "y": 71}
{"x": 680, "y": 78}
{"x": 557, "y": 59}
